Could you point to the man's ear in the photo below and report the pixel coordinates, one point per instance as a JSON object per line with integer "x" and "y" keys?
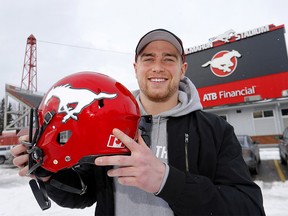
{"x": 184, "y": 68}
{"x": 135, "y": 68}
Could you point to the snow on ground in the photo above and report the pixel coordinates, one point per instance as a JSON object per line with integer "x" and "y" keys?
{"x": 16, "y": 198}
{"x": 275, "y": 197}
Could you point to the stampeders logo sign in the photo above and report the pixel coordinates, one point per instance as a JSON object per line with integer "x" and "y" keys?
{"x": 229, "y": 36}
{"x": 223, "y": 63}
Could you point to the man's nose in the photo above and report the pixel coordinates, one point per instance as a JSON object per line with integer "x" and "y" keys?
{"x": 158, "y": 67}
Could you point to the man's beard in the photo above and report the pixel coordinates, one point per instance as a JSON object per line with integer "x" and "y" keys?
{"x": 159, "y": 97}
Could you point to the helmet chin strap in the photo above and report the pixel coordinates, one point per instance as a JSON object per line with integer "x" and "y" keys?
{"x": 35, "y": 155}
{"x": 39, "y": 190}
{"x": 67, "y": 188}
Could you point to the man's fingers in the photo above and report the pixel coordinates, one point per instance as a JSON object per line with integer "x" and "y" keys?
{"x": 128, "y": 142}
{"x": 23, "y": 171}
{"x": 117, "y": 160}
{"x": 122, "y": 160}
{"x": 21, "y": 160}
{"x": 23, "y": 138}
{"x": 18, "y": 150}
{"x": 122, "y": 171}
{"x": 141, "y": 141}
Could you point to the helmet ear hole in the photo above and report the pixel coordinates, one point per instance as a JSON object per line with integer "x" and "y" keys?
{"x": 101, "y": 103}
{"x": 63, "y": 137}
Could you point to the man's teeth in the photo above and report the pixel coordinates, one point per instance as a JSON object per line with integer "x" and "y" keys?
{"x": 157, "y": 80}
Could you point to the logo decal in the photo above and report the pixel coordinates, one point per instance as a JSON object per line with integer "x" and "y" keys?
{"x": 223, "y": 63}
{"x": 225, "y": 37}
{"x": 69, "y": 96}
{"x": 113, "y": 142}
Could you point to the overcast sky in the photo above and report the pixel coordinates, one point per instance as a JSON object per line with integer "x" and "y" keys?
{"x": 101, "y": 35}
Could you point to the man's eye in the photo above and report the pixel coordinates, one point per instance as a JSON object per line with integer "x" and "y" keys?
{"x": 148, "y": 59}
{"x": 169, "y": 59}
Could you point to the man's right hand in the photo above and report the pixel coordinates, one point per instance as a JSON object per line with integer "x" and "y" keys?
{"x": 21, "y": 158}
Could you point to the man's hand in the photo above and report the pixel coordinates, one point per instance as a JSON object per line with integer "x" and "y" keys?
{"x": 141, "y": 169}
{"x": 21, "y": 158}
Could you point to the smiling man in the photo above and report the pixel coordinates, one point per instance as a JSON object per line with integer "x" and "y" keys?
{"x": 186, "y": 161}
{"x": 204, "y": 172}
{"x": 159, "y": 69}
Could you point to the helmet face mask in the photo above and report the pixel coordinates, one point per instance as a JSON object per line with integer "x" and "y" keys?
{"x": 76, "y": 118}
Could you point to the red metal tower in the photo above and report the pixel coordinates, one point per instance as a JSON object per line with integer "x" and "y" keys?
{"x": 29, "y": 74}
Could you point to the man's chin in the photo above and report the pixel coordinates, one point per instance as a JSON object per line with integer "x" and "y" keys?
{"x": 158, "y": 97}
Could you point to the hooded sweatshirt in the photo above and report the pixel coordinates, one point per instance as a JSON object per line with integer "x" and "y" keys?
{"x": 140, "y": 202}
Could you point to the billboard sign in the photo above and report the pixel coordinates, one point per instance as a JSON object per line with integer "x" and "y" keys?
{"x": 239, "y": 67}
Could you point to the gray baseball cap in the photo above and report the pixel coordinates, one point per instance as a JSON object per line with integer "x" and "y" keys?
{"x": 160, "y": 34}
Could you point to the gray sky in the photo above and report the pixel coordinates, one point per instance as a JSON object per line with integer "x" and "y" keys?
{"x": 108, "y": 31}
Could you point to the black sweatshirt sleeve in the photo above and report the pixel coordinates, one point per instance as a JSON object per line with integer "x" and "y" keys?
{"x": 91, "y": 176}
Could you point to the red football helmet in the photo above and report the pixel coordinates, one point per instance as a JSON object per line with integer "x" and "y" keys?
{"x": 76, "y": 118}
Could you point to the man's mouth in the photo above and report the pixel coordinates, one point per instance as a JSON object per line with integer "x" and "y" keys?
{"x": 157, "y": 79}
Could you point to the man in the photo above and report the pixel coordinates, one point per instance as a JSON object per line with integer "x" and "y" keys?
{"x": 190, "y": 162}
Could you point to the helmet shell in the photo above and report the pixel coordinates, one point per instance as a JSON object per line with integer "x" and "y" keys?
{"x": 85, "y": 107}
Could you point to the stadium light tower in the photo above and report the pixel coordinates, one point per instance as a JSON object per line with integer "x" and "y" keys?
{"x": 29, "y": 74}
{"x": 25, "y": 96}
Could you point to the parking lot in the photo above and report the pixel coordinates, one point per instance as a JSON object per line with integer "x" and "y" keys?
{"x": 270, "y": 168}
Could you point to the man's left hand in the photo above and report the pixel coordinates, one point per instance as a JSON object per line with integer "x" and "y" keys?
{"x": 141, "y": 169}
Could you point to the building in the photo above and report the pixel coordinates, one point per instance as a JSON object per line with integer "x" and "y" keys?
{"x": 243, "y": 77}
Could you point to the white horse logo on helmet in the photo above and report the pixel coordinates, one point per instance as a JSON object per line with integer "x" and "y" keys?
{"x": 68, "y": 95}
